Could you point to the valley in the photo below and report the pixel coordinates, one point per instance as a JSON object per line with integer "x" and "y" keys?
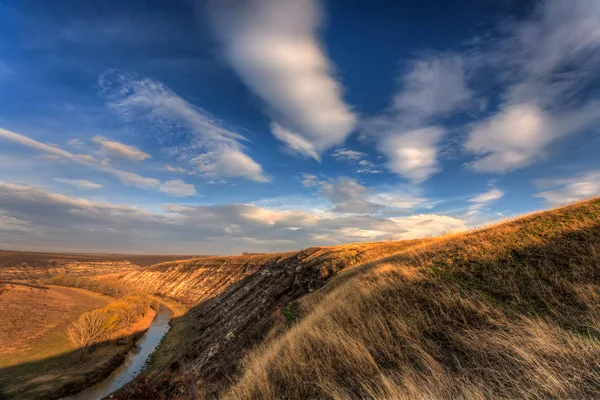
{"x": 493, "y": 312}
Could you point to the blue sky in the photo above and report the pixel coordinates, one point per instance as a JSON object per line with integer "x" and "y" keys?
{"x": 218, "y": 127}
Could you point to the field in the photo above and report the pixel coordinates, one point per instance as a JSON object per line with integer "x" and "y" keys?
{"x": 36, "y": 358}
{"x": 30, "y": 265}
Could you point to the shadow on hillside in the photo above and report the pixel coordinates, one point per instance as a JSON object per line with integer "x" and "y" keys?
{"x": 62, "y": 375}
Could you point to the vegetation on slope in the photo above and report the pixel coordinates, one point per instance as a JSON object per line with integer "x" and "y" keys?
{"x": 101, "y": 325}
{"x": 103, "y": 285}
{"x": 511, "y": 311}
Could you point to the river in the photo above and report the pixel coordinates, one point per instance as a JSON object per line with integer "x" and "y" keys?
{"x": 134, "y": 362}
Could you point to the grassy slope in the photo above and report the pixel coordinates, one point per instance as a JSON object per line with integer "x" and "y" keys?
{"x": 510, "y": 311}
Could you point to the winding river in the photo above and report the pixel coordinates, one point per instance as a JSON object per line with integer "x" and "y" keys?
{"x": 134, "y": 362}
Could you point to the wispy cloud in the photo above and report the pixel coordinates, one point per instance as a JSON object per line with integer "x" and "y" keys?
{"x": 75, "y": 143}
{"x": 344, "y": 154}
{"x": 273, "y": 46}
{"x": 348, "y": 196}
{"x": 172, "y": 168}
{"x": 481, "y": 200}
{"x": 52, "y": 221}
{"x": 355, "y": 157}
{"x": 120, "y": 150}
{"x": 125, "y": 177}
{"x": 545, "y": 61}
{"x": 177, "y": 187}
{"x": 200, "y": 139}
{"x": 569, "y": 190}
{"x": 432, "y": 88}
{"x": 79, "y": 183}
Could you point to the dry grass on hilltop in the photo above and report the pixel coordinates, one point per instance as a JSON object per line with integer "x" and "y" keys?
{"x": 511, "y": 311}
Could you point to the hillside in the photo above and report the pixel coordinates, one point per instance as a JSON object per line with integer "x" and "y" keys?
{"x": 196, "y": 280}
{"x": 509, "y": 311}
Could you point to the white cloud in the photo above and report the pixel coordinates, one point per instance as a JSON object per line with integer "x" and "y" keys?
{"x": 177, "y": 187}
{"x": 491, "y": 195}
{"x": 570, "y": 190}
{"x": 427, "y": 224}
{"x": 294, "y": 142}
{"x": 519, "y": 135}
{"x": 272, "y": 45}
{"x": 191, "y": 132}
{"x": 75, "y": 143}
{"x": 344, "y": 154}
{"x": 481, "y": 200}
{"x": 171, "y": 168}
{"x": 412, "y": 154}
{"x": 79, "y": 183}
{"x": 125, "y": 177}
{"x": 367, "y": 167}
{"x": 355, "y": 157}
{"x": 396, "y": 199}
{"x": 228, "y": 162}
{"x": 432, "y": 88}
{"x": 120, "y": 150}
{"x": 545, "y": 61}
{"x": 347, "y": 196}
{"x": 50, "y": 221}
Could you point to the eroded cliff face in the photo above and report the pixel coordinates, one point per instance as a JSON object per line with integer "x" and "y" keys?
{"x": 236, "y": 301}
{"x": 193, "y": 281}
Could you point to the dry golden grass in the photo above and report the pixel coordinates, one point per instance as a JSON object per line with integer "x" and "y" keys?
{"x": 510, "y": 311}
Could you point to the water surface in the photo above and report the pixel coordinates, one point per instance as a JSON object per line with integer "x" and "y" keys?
{"x": 134, "y": 362}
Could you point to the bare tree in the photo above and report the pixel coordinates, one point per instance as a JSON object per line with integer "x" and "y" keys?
{"x": 90, "y": 328}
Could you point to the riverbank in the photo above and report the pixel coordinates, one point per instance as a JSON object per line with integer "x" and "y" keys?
{"x": 37, "y": 361}
{"x": 134, "y": 362}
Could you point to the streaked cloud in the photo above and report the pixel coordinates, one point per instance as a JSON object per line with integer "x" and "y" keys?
{"x": 190, "y": 133}
{"x": 120, "y": 150}
{"x": 357, "y": 158}
{"x": 75, "y": 143}
{"x": 125, "y": 177}
{"x": 178, "y": 188}
{"x": 79, "y": 183}
{"x": 344, "y": 154}
{"x": 545, "y": 61}
{"x": 483, "y": 199}
{"x": 569, "y": 190}
{"x": 273, "y": 47}
{"x": 44, "y": 220}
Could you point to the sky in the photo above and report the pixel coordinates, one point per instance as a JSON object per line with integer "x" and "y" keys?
{"x": 217, "y": 127}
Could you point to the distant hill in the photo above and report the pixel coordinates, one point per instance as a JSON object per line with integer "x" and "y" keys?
{"x": 33, "y": 265}
{"x": 508, "y": 311}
